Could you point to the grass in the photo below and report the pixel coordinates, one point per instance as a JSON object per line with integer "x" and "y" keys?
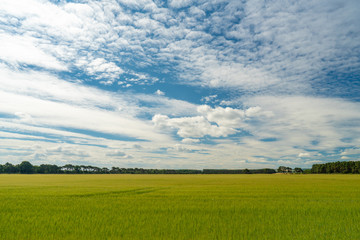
{"x": 179, "y": 207}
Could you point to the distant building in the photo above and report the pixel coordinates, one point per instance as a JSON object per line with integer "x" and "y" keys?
{"x": 283, "y": 169}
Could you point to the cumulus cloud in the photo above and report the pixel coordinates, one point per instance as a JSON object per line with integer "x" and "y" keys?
{"x": 192, "y": 127}
{"x": 102, "y": 69}
{"x": 159, "y": 93}
{"x": 228, "y": 117}
{"x": 181, "y": 148}
{"x": 231, "y": 117}
{"x": 214, "y": 122}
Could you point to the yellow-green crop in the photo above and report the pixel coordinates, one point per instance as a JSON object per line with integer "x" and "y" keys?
{"x": 179, "y": 207}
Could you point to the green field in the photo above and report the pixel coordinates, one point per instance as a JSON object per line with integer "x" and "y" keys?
{"x": 180, "y": 207}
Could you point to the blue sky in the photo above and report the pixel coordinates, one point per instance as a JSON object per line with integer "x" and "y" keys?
{"x": 181, "y": 83}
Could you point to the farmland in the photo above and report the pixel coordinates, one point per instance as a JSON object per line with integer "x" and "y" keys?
{"x": 179, "y": 206}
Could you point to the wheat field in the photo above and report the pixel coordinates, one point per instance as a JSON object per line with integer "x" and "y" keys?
{"x": 179, "y": 207}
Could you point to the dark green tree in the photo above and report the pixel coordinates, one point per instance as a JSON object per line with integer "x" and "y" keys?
{"x": 26, "y": 167}
{"x": 9, "y": 168}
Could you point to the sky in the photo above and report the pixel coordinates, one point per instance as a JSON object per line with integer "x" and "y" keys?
{"x": 180, "y": 83}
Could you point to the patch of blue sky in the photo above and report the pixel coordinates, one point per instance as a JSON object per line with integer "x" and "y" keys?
{"x": 315, "y": 142}
{"x": 344, "y": 85}
{"x": 234, "y": 138}
{"x": 267, "y": 158}
{"x": 162, "y": 150}
{"x": 6, "y": 115}
{"x": 271, "y": 139}
{"x": 97, "y": 134}
{"x": 31, "y": 133}
{"x": 315, "y": 150}
{"x": 192, "y": 94}
{"x": 347, "y": 140}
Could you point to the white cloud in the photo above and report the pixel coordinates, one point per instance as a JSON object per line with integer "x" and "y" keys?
{"x": 279, "y": 47}
{"x": 179, "y": 3}
{"x": 103, "y": 69}
{"x": 351, "y": 151}
{"x": 316, "y": 124}
{"x": 181, "y": 148}
{"x": 304, "y": 154}
{"x": 159, "y": 92}
{"x": 228, "y": 117}
{"x": 210, "y": 98}
{"x": 269, "y": 50}
{"x": 308, "y": 122}
{"x": 190, "y": 140}
{"x": 227, "y": 122}
{"x": 43, "y": 100}
{"x": 191, "y": 127}
{"x": 54, "y": 114}
{"x": 26, "y": 50}
{"x": 24, "y": 117}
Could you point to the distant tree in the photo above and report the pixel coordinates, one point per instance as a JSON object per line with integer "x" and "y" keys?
{"x": 9, "y": 168}
{"x": 26, "y": 167}
{"x": 48, "y": 168}
{"x": 298, "y": 170}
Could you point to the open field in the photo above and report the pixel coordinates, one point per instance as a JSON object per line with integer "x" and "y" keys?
{"x": 180, "y": 207}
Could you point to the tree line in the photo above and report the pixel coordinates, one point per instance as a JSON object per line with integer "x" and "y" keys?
{"x": 26, "y": 167}
{"x": 337, "y": 167}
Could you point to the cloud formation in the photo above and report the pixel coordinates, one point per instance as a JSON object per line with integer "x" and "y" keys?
{"x": 255, "y": 84}
{"x": 214, "y": 122}
{"x": 268, "y": 45}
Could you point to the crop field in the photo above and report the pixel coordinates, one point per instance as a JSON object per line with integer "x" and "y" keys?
{"x": 180, "y": 207}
